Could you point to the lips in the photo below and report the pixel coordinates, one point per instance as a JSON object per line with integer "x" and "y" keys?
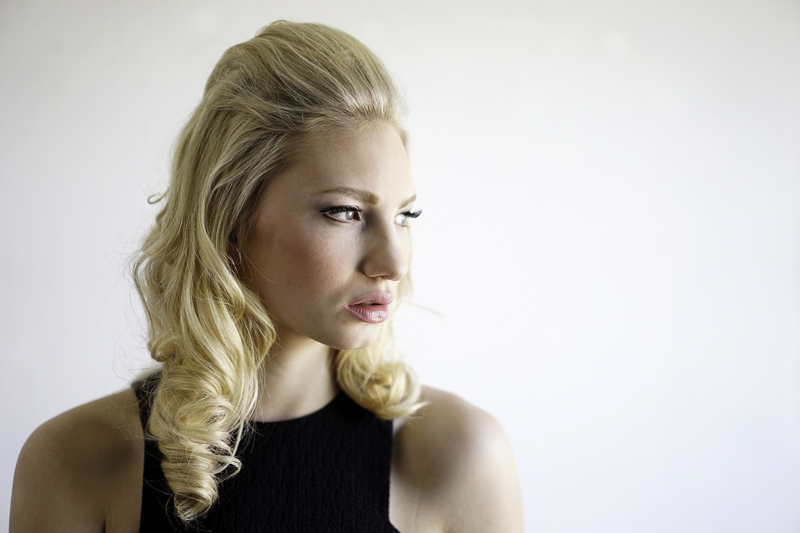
{"x": 372, "y": 309}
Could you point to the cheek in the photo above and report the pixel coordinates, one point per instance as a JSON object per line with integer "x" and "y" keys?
{"x": 310, "y": 261}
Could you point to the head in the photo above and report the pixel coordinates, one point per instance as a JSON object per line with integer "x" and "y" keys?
{"x": 270, "y": 103}
{"x": 290, "y": 186}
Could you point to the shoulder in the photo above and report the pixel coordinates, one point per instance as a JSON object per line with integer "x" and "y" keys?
{"x": 72, "y": 467}
{"x": 456, "y": 460}
{"x": 453, "y": 427}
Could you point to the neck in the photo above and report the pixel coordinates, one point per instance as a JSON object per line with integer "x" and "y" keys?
{"x": 296, "y": 379}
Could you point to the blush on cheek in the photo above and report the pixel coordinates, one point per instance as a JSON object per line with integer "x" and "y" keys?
{"x": 307, "y": 260}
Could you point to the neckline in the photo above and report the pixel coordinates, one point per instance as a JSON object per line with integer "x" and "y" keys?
{"x": 324, "y": 408}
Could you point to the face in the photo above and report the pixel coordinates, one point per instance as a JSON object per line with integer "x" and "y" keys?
{"x": 328, "y": 242}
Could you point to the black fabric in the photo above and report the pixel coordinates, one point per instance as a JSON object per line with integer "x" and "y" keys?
{"x": 324, "y": 472}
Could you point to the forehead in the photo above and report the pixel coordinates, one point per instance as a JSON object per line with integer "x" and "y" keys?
{"x": 372, "y": 157}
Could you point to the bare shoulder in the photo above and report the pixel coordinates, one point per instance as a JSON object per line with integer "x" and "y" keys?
{"x": 74, "y": 468}
{"x": 454, "y": 468}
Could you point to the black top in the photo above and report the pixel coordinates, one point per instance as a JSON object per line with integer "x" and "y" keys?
{"x": 324, "y": 472}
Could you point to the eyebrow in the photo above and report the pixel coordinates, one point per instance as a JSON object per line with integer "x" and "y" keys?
{"x": 360, "y": 194}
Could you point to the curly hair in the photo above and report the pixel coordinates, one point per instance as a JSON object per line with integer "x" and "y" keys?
{"x": 209, "y": 331}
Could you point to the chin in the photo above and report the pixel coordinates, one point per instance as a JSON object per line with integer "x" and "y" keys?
{"x": 357, "y": 341}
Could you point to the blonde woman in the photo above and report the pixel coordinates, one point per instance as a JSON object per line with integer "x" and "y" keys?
{"x": 269, "y": 282}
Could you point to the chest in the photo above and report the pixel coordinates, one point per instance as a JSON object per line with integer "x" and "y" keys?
{"x": 329, "y": 471}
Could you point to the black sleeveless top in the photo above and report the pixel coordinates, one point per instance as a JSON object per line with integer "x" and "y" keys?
{"x": 324, "y": 472}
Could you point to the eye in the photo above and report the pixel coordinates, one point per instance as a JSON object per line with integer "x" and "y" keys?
{"x": 402, "y": 218}
{"x": 343, "y": 213}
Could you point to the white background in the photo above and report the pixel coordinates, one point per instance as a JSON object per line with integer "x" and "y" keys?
{"x": 611, "y": 236}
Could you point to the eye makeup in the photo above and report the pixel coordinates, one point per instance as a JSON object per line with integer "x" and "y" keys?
{"x": 351, "y": 212}
{"x": 403, "y": 217}
{"x": 347, "y": 212}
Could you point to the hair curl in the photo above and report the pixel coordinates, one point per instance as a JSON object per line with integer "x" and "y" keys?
{"x": 207, "y": 329}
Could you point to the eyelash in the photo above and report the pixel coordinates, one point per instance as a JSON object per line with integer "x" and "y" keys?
{"x": 410, "y": 214}
{"x": 353, "y": 209}
{"x": 335, "y": 210}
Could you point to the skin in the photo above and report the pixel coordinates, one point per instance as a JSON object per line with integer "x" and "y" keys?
{"x": 452, "y": 466}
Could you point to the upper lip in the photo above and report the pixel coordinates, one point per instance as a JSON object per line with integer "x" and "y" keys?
{"x": 380, "y": 298}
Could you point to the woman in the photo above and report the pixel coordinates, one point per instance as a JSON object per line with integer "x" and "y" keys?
{"x": 269, "y": 281}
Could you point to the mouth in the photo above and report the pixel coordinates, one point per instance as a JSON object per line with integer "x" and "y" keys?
{"x": 373, "y": 309}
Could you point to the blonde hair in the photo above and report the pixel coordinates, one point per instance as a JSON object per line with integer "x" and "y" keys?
{"x": 207, "y": 329}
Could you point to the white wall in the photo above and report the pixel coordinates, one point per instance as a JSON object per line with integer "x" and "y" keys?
{"x": 611, "y": 232}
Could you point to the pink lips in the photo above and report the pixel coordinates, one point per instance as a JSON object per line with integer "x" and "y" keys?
{"x": 373, "y": 309}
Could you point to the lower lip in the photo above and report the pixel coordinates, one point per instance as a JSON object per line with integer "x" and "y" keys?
{"x": 373, "y": 314}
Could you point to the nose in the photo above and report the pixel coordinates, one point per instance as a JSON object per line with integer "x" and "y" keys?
{"x": 387, "y": 253}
